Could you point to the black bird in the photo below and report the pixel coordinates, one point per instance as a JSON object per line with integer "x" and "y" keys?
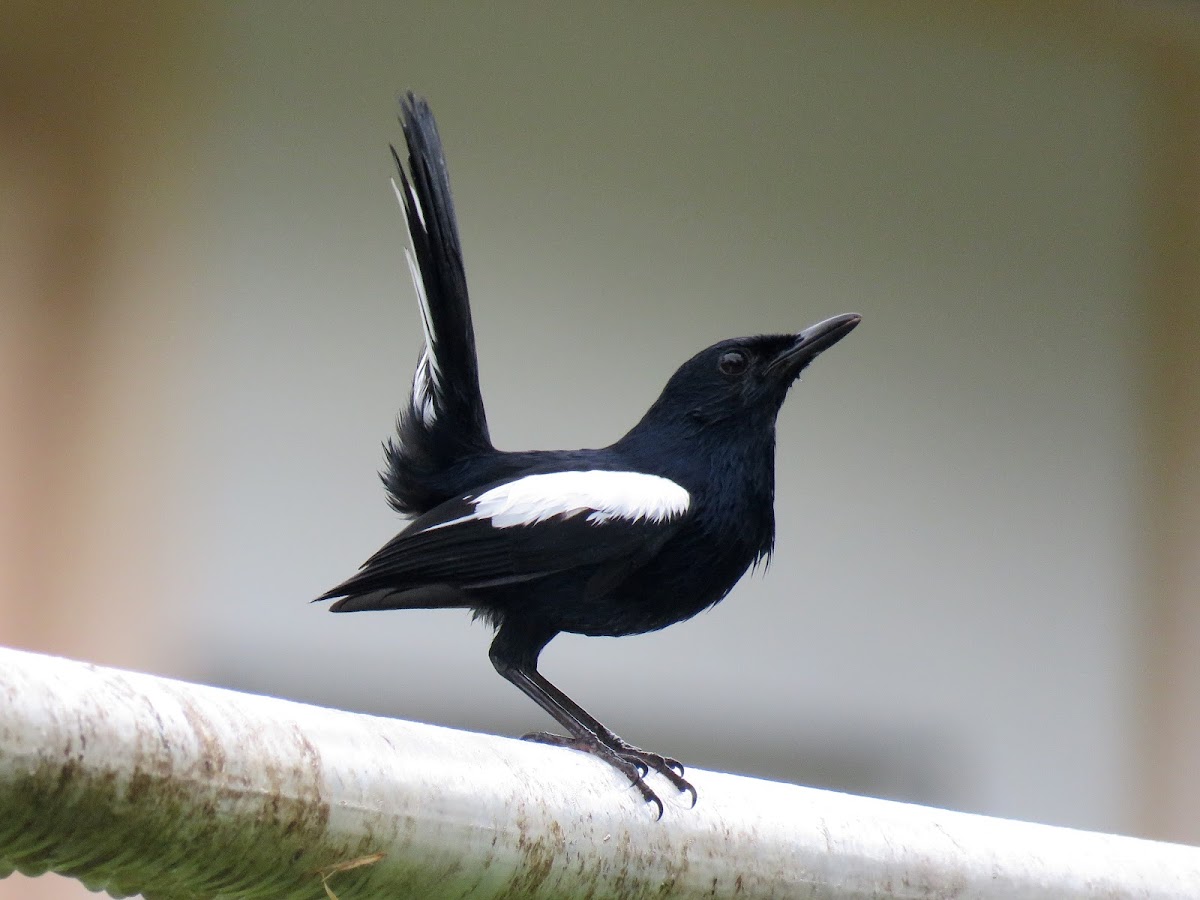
{"x": 621, "y": 540}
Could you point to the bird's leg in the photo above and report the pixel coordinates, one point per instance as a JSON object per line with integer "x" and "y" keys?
{"x": 671, "y": 769}
{"x": 581, "y": 737}
{"x": 586, "y": 733}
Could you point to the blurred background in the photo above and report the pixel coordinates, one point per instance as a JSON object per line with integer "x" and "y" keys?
{"x": 986, "y": 587}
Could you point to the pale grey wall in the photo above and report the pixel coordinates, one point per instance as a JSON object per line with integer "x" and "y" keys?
{"x": 949, "y": 615}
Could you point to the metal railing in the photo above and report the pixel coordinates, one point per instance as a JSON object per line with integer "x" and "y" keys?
{"x": 133, "y": 783}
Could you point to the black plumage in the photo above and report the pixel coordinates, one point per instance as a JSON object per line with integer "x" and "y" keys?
{"x": 619, "y": 540}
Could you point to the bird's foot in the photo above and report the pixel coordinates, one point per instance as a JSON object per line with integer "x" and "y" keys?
{"x": 668, "y": 768}
{"x": 631, "y": 761}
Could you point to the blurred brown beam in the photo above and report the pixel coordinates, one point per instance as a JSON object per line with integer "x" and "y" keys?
{"x": 1171, "y": 794}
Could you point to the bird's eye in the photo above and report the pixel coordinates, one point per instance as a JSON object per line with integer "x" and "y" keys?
{"x": 733, "y": 362}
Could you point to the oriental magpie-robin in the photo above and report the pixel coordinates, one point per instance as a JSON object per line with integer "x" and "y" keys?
{"x": 621, "y": 540}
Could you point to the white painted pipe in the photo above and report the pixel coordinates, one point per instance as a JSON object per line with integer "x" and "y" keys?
{"x": 133, "y": 783}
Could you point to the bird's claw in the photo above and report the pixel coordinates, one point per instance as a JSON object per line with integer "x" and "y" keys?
{"x": 632, "y": 761}
{"x": 554, "y": 740}
{"x": 670, "y": 769}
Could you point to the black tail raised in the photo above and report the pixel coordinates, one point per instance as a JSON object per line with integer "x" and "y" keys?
{"x": 444, "y": 420}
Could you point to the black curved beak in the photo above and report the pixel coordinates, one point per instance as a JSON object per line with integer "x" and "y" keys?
{"x": 811, "y": 342}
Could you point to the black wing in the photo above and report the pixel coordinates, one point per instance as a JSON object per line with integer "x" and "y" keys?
{"x": 441, "y": 557}
{"x": 444, "y": 419}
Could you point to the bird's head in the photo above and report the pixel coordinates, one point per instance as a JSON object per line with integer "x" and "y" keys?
{"x": 745, "y": 378}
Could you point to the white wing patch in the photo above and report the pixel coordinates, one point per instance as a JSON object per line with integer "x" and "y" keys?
{"x": 603, "y": 495}
{"x": 427, "y": 380}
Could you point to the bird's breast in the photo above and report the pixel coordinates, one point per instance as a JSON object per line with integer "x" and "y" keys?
{"x": 692, "y": 571}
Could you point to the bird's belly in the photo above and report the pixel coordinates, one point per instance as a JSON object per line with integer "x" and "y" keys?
{"x": 661, "y": 593}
